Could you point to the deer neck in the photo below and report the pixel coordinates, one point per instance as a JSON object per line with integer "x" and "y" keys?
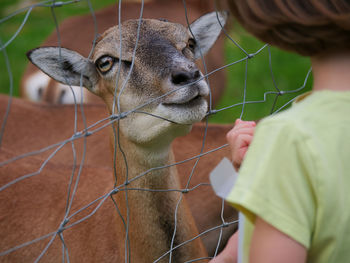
{"x": 151, "y": 213}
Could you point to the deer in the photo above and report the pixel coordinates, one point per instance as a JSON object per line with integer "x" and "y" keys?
{"x": 37, "y": 86}
{"x": 163, "y": 63}
{"x": 32, "y": 126}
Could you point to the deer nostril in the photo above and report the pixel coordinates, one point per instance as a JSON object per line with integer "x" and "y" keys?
{"x": 184, "y": 77}
{"x": 196, "y": 75}
{"x": 180, "y": 77}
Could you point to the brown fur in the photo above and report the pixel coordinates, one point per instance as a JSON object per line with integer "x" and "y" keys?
{"x": 160, "y": 44}
{"x": 165, "y": 60}
{"x": 35, "y": 206}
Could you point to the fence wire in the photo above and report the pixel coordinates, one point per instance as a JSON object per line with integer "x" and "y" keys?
{"x": 71, "y": 218}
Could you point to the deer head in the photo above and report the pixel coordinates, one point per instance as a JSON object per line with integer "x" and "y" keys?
{"x": 160, "y": 76}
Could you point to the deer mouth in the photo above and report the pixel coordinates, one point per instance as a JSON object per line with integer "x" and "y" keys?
{"x": 185, "y": 103}
{"x": 185, "y": 111}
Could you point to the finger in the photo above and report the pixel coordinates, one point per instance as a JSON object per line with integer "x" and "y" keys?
{"x": 245, "y": 130}
{"x": 245, "y": 125}
{"x": 237, "y": 160}
{"x": 239, "y": 148}
{"x": 240, "y": 126}
{"x": 243, "y": 142}
{"x": 232, "y": 135}
{"x": 239, "y": 122}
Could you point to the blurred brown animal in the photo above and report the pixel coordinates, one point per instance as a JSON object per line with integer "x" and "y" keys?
{"x": 182, "y": 107}
{"x": 77, "y": 33}
{"x": 41, "y": 199}
{"x": 162, "y": 67}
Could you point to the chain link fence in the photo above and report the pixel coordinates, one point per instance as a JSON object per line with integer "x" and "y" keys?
{"x": 74, "y": 217}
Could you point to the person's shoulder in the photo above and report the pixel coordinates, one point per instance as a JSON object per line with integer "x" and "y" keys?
{"x": 323, "y": 102}
{"x": 283, "y": 120}
{"x": 289, "y": 123}
{"x": 311, "y": 115}
{"x": 279, "y": 128}
{"x": 306, "y": 108}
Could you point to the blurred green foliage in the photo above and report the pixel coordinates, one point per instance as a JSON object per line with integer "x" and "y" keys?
{"x": 37, "y": 28}
{"x": 289, "y": 70}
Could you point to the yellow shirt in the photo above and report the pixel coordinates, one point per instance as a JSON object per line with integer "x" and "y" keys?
{"x": 296, "y": 176}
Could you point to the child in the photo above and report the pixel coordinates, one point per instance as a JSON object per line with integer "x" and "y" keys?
{"x": 294, "y": 183}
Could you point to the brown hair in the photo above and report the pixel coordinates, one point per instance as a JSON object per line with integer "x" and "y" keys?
{"x": 308, "y": 27}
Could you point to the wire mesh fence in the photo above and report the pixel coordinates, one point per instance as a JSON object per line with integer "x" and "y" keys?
{"x": 74, "y": 217}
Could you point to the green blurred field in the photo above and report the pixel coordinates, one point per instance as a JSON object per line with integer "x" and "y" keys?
{"x": 289, "y": 70}
{"x": 39, "y": 25}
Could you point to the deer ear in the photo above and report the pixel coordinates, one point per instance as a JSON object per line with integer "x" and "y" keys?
{"x": 206, "y": 30}
{"x": 65, "y": 66}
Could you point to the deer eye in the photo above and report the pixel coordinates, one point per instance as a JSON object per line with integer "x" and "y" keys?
{"x": 191, "y": 44}
{"x": 105, "y": 63}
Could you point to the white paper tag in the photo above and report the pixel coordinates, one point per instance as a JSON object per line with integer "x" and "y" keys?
{"x": 223, "y": 178}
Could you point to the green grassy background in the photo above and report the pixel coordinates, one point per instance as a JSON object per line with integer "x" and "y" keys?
{"x": 289, "y": 70}
{"x": 37, "y": 28}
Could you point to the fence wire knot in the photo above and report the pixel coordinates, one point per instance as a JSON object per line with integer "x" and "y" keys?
{"x": 211, "y": 112}
{"x": 61, "y": 228}
{"x": 114, "y": 191}
{"x": 57, "y": 4}
{"x": 118, "y": 116}
{"x": 77, "y": 135}
{"x": 225, "y": 224}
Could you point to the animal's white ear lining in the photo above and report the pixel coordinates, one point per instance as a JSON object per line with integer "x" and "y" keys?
{"x": 206, "y": 30}
{"x": 64, "y": 65}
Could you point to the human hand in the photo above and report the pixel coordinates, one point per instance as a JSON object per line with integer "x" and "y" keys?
{"x": 229, "y": 253}
{"x": 239, "y": 139}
